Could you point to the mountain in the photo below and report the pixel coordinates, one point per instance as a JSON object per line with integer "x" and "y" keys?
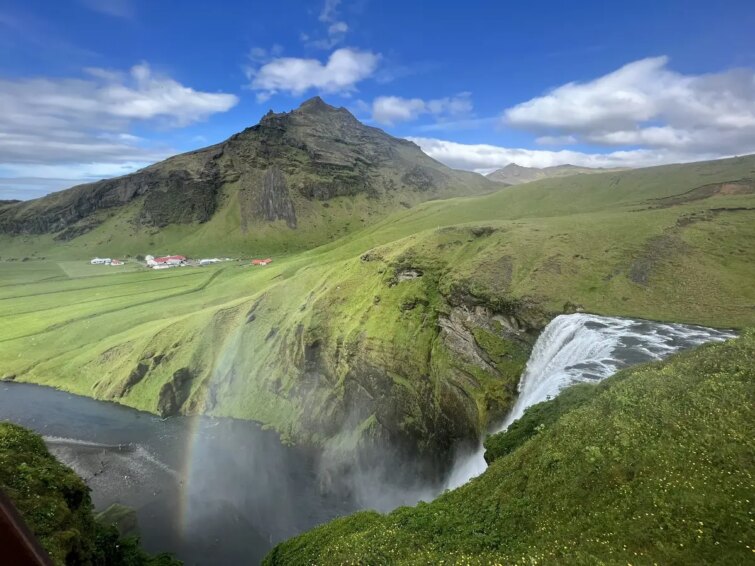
{"x": 310, "y": 173}
{"x": 514, "y": 174}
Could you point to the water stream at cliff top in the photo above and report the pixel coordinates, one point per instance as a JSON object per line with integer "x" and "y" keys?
{"x": 586, "y": 348}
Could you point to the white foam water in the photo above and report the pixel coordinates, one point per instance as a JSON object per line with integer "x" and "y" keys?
{"x": 584, "y": 347}
{"x": 138, "y": 456}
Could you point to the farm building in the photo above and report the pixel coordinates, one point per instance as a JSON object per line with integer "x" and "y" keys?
{"x": 168, "y": 260}
{"x": 261, "y": 261}
{"x": 101, "y": 261}
{"x": 116, "y": 262}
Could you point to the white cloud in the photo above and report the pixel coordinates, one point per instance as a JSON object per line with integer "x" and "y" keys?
{"x": 556, "y": 140}
{"x": 335, "y": 29}
{"x": 31, "y": 180}
{"x": 118, "y": 8}
{"x": 645, "y": 103}
{"x": 484, "y": 158}
{"x": 106, "y": 100}
{"x": 329, "y": 10}
{"x": 260, "y": 55}
{"x": 78, "y": 128}
{"x": 339, "y": 74}
{"x": 390, "y": 110}
{"x": 336, "y": 34}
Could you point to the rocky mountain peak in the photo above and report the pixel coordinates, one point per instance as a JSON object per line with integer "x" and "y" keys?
{"x": 312, "y": 112}
{"x": 315, "y": 104}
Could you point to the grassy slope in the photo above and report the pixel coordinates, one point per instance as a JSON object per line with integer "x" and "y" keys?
{"x": 55, "y": 504}
{"x": 653, "y": 466}
{"x": 579, "y": 239}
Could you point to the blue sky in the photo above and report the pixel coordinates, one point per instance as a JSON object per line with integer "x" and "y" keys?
{"x": 97, "y": 88}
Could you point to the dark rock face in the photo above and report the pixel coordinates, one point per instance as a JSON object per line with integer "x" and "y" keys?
{"x": 173, "y": 393}
{"x": 77, "y": 229}
{"x": 170, "y": 197}
{"x": 61, "y": 210}
{"x": 183, "y": 198}
{"x": 424, "y": 437}
{"x": 274, "y": 201}
{"x": 421, "y": 178}
{"x": 456, "y": 336}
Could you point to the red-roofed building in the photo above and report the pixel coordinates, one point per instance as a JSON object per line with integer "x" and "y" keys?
{"x": 261, "y": 261}
{"x": 167, "y": 260}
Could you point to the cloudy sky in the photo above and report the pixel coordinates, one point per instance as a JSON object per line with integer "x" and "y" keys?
{"x": 98, "y": 88}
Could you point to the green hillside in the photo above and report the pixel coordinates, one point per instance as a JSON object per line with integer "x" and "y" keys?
{"x": 410, "y": 332}
{"x": 653, "y": 466}
{"x": 514, "y": 174}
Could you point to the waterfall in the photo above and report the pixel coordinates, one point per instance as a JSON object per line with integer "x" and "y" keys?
{"x": 584, "y": 347}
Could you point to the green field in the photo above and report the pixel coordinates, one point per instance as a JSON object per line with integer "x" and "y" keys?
{"x": 292, "y": 345}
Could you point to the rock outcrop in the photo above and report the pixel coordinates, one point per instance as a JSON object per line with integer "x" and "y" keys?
{"x": 174, "y": 392}
{"x": 274, "y": 202}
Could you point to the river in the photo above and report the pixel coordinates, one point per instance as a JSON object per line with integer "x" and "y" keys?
{"x": 212, "y": 491}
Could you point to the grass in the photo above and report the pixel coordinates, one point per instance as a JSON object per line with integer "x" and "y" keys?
{"x": 56, "y": 506}
{"x": 329, "y": 327}
{"x": 651, "y": 466}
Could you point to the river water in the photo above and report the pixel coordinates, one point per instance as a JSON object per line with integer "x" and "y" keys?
{"x": 212, "y": 491}
{"x": 223, "y": 491}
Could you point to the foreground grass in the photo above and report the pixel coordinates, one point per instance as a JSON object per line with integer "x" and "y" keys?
{"x": 652, "y": 466}
{"x": 55, "y": 504}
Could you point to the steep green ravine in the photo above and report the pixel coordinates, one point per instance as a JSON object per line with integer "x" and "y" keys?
{"x": 651, "y": 466}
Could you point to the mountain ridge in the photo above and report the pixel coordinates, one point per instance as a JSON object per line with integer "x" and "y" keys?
{"x": 276, "y": 170}
{"x": 513, "y": 174}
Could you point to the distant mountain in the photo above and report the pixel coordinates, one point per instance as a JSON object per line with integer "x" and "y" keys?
{"x": 514, "y": 174}
{"x": 311, "y": 172}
